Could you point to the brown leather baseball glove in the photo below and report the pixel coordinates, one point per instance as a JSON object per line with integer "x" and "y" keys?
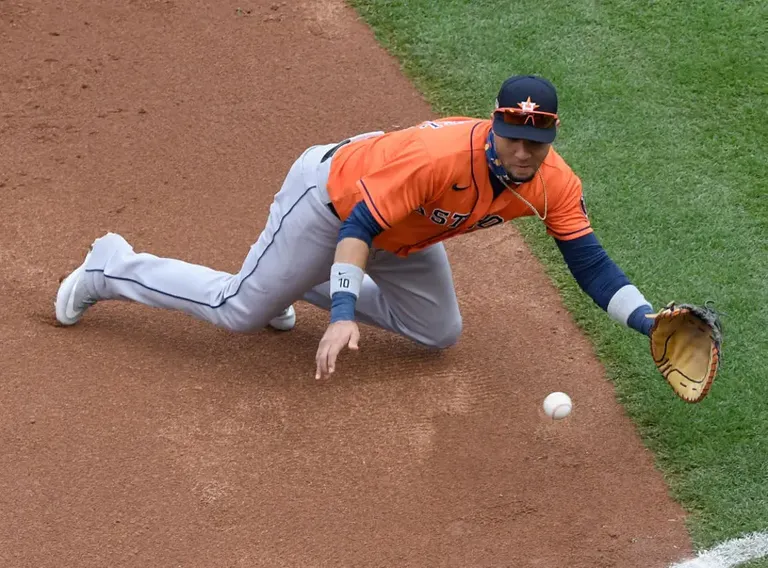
{"x": 686, "y": 343}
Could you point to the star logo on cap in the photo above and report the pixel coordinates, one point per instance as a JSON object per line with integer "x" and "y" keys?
{"x": 528, "y": 106}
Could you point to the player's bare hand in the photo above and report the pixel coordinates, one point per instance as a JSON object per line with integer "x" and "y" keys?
{"x": 338, "y": 335}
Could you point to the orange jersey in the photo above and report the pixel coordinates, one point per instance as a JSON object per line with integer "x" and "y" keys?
{"x": 430, "y": 182}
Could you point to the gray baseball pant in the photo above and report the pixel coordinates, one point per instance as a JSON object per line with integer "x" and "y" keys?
{"x": 290, "y": 261}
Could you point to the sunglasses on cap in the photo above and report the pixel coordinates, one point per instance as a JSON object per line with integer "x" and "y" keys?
{"x": 521, "y": 117}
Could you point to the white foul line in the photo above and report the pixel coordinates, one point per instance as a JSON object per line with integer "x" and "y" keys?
{"x": 730, "y": 553}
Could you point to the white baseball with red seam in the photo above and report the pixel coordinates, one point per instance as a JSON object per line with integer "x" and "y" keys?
{"x": 557, "y": 405}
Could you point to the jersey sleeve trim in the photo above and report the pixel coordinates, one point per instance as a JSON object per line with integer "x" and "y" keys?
{"x": 571, "y": 235}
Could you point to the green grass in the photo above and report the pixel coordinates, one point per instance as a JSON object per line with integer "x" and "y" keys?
{"x": 664, "y": 118}
{"x": 761, "y": 563}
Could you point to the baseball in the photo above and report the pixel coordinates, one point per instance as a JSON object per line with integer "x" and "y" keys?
{"x": 557, "y": 405}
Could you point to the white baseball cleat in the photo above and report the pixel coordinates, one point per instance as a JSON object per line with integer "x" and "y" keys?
{"x": 72, "y": 299}
{"x": 285, "y": 321}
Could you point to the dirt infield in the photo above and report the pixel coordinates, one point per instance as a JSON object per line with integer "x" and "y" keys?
{"x": 143, "y": 438}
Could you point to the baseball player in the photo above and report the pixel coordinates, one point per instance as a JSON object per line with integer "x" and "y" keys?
{"x": 358, "y": 228}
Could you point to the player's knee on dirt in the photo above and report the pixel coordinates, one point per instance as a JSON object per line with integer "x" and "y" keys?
{"x": 238, "y": 324}
{"x": 446, "y": 334}
{"x": 242, "y": 320}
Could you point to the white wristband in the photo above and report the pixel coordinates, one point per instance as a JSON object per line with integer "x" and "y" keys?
{"x": 625, "y": 301}
{"x": 346, "y": 278}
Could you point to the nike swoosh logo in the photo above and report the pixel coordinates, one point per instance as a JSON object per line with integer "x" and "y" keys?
{"x": 456, "y": 187}
{"x": 69, "y": 309}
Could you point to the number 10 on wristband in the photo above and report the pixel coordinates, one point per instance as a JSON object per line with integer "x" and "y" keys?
{"x": 346, "y": 278}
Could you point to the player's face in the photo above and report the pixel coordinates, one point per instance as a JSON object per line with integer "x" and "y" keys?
{"x": 521, "y": 158}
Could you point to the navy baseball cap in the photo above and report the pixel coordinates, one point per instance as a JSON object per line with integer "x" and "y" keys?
{"x": 528, "y": 95}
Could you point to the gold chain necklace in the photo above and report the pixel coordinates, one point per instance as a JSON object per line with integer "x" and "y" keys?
{"x": 544, "y": 185}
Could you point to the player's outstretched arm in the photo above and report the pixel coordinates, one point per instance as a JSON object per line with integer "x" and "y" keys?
{"x": 355, "y": 238}
{"x": 685, "y": 339}
{"x": 605, "y": 282}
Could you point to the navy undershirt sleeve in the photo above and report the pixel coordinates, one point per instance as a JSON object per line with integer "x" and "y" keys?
{"x": 592, "y": 268}
{"x": 599, "y": 276}
{"x": 360, "y": 225}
